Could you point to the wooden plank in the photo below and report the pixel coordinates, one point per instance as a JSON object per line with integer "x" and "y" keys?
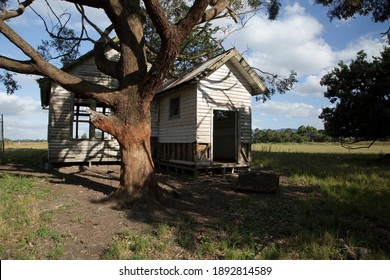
{"x": 183, "y": 128}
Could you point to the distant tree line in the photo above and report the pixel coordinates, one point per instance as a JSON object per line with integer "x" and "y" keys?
{"x": 301, "y": 135}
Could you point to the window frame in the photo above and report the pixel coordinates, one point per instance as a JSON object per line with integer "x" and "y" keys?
{"x": 79, "y": 115}
{"x": 174, "y": 107}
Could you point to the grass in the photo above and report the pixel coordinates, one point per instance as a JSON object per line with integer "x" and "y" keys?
{"x": 25, "y": 153}
{"x": 338, "y": 203}
{"x": 334, "y": 198}
{"x": 22, "y": 224}
{"x": 349, "y": 198}
{"x": 322, "y": 148}
{"x": 39, "y": 145}
{"x": 128, "y": 245}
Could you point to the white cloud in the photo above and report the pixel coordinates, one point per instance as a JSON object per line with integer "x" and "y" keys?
{"x": 13, "y": 105}
{"x": 273, "y": 114}
{"x": 293, "y": 41}
{"x": 25, "y": 129}
{"x": 285, "y": 108}
{"x": 296, "y": 41}
{"x": 371, "y": 44}
{"x": 310, "y": 85}
{"x": 23, "y": 117}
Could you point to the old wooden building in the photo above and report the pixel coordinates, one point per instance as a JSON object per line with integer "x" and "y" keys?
{"x": 200, "y": 120}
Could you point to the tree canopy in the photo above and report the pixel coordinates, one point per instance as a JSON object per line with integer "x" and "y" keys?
{"x": 300, "y": 135}
{"x": 378, "y": 9}
{"x": 361, "y": 94}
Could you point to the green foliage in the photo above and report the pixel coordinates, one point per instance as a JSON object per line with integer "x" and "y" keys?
{"x": 273, "y": 7}
{"x": 361, "y": 94}
{"x": 379, "y": 9}
{"x": 302, "y": 135}
{"x": 10, "y": 84}
{"x": 199, "y": 46}
{"x": 63, "y": 45}
{"x": 276, "y": 83}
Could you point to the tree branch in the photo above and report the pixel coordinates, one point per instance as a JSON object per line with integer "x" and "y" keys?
{"x": 172, "y": 36}
{"x": 39, "y": 66}
{"x": 105, "y": 65}
{"x": 15, "y": 13}
{"x": 217, "y": 7}
{"x": 18, "y": 41}
{"x": 90, "y": 3}
{"x": 26, "y": 67}
{"x": 102, "y": 33}
{"x": 198, "y": 14}
{"x": 348, "y": 143}
{"x": 160, "y": 21}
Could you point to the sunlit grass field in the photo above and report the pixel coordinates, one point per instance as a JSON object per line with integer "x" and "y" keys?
{"x": 333, "y": 148}
{"x": 26, "y": 145}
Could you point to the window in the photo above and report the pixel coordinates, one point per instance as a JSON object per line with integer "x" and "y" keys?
{"x": 82, "y": 127}
{"x": 174, "y": 107}
{"x": 81, "y": 122}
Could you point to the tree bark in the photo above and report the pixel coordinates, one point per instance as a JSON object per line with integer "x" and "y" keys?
{"x": 131, "y": 126}
{"x": 137, "y": 178}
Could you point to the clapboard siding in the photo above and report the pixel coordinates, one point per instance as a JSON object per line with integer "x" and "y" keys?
{"x": 180, "y": 129}
{"x": 61, "y": 146}
{"x": 224, "y": 89}
{"x": 88, "y": 70}
{"x": 83, "y": 150}
{"x": 154, "y": 117}
{"x": 60, "y": 114}
{"x": 185, "y": 139}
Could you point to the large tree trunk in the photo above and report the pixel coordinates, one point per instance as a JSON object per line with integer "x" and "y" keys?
{"x": 131, "y": 126}
{"x": 137, "y": 178}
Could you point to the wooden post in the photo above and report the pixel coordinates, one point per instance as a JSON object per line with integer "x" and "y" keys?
{"x": 2, "y": 148}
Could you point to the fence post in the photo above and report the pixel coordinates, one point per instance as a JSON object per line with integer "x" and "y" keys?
{"x": 2, "y": 141}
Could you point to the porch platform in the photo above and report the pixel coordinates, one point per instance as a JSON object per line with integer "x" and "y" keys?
{"x": 181, "y": 166}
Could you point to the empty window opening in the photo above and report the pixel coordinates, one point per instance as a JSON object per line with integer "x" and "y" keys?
{"x": 174, "y": 107}
{"x": 83, "y": 129}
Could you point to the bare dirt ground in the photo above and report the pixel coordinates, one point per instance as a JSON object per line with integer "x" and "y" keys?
{"x": 89, "y": 226}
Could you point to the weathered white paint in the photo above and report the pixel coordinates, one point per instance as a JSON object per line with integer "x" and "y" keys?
{"x": 181, "y": 129}
{"x": 62, "y": 148}
{"x": 225, "y": 89}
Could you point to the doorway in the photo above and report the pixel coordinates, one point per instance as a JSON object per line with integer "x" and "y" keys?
{"x": 225, "y": 135}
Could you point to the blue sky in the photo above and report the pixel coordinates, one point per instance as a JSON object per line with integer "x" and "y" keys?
{"x": 302, "y": 38}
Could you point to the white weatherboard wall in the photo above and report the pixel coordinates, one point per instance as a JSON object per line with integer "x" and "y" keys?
{"x": 225, "y": 89}
{"x": 61, "y": 146}
{"x": 181, "y": 129}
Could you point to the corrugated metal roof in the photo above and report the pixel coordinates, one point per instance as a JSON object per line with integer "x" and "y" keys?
{"x": 211, "y": 65}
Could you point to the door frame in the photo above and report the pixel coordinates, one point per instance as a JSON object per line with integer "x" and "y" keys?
{"x": 236, "y": 136}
